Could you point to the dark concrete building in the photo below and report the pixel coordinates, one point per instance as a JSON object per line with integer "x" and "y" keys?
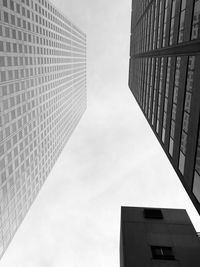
{"x": 164, "y": 78}
{"x": 158, "y": 238}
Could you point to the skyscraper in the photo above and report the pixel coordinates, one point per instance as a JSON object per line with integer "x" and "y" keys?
{"x": 42, "y": 98}
{"x": 157, "y": 238}
{"x": 164, "y": 78}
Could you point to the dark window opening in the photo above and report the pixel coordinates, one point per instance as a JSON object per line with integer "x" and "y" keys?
{"x": 153, "y": 214}
{"x": 162, "y": 253}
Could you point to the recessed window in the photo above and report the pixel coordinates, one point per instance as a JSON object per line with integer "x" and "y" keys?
{"x": 162, "y": 253}
{"x": 5, "y": 3}
{"x": 1, "y": 45}
{"x": 153, "y": 214}
{"x": 6, "y": 17}
{"x": 18, "y": 8}
{"x": 12, "y": 5}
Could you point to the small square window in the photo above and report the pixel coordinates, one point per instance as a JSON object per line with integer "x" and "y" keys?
{"x": 153, "y": 214}
{"x": 162, "y": 253}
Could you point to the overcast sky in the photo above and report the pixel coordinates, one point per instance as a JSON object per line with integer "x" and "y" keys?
{"x": 112, "y": 159}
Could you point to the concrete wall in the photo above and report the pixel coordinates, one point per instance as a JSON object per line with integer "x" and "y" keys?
{"x": 174, "y": 230}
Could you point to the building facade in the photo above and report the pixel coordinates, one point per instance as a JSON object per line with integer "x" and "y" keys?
{"x": 157, "y": 238}
{"x": 42, "y": 98}
{"x": 164, "y": 78}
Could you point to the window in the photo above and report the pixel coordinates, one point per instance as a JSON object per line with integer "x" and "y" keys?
{"x": 172, "y": 21}
{"x": 7, "y": 32}
{"x": 165, "y": 22}
{"x": 162, "y": 253}
{"x": 160, "y": 94}
{"x": 174, "y": 107}
{"x": 153, "y": 214}
{"x": 196, "y": 183}
{"x": 166, "y": 99}
{"x": 159, "y": 25}
{"x": 18, "y": 8}
{"x": 155, "y": 91}
{"x": 5, "y": 3}
{"x": 8, "y": 47}
{"x": 14, "y": 34}
{"x": 186, "y": 114}
{"x": 155, "y": 23}
{"x": 2, "y": 61}
{"x": 12, "y": 5}
{"x": 182, "y": 21}
{"x": 195, "y": 23}
{"x": 23, "y": 12}
{"x": 18, "y": 22}
{"x": 13, "y": 19}
{"x": 6, "y": 17}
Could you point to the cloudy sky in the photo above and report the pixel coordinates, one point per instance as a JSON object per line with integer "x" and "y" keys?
{"x": 112, "y": 159}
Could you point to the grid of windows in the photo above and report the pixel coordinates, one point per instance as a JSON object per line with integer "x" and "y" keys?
{"x": 43, "y": 96}
{"x": 163, "y": 77}
{"x": 149, "y": 30}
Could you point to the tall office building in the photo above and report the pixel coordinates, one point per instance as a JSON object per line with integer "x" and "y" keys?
{"x": 42, "y": 98}
{"x": 164, "y": 78}
{"x": 158, "y": 238}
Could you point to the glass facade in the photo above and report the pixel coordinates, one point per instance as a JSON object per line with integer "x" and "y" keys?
{"x": 42, "y": 98}
{"x": 164, "y": 78}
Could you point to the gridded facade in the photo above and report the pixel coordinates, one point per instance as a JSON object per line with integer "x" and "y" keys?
{"x": 42, "y": 98}
{"x": 164, "y": 78}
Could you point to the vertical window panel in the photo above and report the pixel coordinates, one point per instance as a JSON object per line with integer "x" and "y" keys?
{"x": 186, "y": 112}
{"x": 174, "y": 106}
{"x": 196, "y": 21}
